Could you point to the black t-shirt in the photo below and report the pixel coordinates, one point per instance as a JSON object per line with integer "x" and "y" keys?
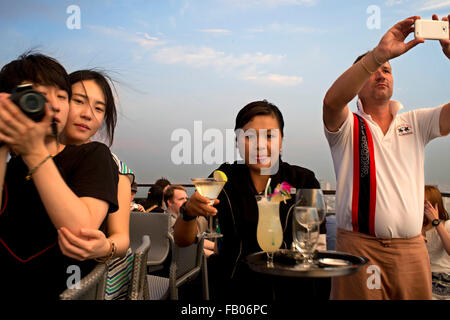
{"x": 31, "y": 263}
{"x": 238, "y": 220}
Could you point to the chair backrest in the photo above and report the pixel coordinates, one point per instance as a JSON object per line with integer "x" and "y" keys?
{"x": 156, "y": 225}
{"x": 186, "y": 264}
{"x": 91, "y": 287}
{"x": 139, "y": 288}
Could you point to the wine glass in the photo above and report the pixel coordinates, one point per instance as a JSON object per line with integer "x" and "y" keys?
{"x": 209, "y": 188}
{"x": 269, "y": 233}
{"x": 305, "y": 232}
{"x": 312, "y": 198}
{"x": 309, "y": 213}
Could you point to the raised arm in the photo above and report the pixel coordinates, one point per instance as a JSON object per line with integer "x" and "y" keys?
{"x": 347, "y": 86}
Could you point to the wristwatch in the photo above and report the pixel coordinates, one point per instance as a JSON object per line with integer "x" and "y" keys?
{"x": 435, "y": 222}
{"x": 184, "y": 215}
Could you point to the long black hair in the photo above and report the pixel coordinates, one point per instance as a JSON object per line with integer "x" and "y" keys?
{"x": 105, "y": 83}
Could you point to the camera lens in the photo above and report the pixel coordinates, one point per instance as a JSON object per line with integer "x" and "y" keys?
{"x": 31, "y": 103}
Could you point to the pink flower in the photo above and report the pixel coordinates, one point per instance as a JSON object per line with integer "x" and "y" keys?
{"x": 281, "y": 192}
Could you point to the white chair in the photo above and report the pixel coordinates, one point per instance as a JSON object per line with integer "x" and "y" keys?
{"x": 156, "y": 225}
{"x": 186, "y": 264}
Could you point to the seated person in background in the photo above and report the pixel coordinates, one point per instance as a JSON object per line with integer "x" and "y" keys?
{"x": 46, "y": 185}
{"x": 174, "y": 197}
{"x": 164, "y": 184}
{"x": 133, "y": 205}
{"x": 154, "y": 200}
{"x": 436, "y": 231}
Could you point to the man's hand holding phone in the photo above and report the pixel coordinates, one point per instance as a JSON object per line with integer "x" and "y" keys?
{"x": 445, "y": 43}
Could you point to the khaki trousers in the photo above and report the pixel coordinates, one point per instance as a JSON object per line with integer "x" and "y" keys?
{"x": 397, "y": 269}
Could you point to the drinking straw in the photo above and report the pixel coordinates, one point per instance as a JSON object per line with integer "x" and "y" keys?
{"x": 267, "y": 187}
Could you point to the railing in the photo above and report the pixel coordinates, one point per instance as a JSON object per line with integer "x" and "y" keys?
{"x": 190, "y": 185}
{"x": 445, "y": 195}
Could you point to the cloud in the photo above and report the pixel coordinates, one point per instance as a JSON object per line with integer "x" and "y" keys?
{"x": 147, "y": 36}
{"x": 269, "y": 3}
{"x": 286, "y": 29}
{"x": 244, "y": 65}
{"x": 255, "y": 30}
{"x": 206, "y": 57}
{"x": 216, "y": 31}
{"x": 390, "y": 3}
{"x": 277, "y": 79}
{"x": 434, "y": 5}
{"x": 144, "y": 40}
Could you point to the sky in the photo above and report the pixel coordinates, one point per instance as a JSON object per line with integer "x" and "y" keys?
{"x": 184, "y": 68}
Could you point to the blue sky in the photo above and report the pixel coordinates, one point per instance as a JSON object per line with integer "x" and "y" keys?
{"x": 177, "y": 62}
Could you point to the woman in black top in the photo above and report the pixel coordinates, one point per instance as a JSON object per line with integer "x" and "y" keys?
{"x": 230, "y": 278}
{"x": 47, "y": 185}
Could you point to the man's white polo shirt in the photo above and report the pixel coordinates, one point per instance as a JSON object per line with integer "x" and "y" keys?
{"x": 399, "y": 162}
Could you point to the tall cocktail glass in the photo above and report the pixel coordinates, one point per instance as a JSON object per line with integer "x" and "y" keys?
{"x": 269, "y": 232}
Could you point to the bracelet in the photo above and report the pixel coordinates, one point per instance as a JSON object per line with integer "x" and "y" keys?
{"x": 375, "y": 58}
{"x": 365, "y": 67}
{"x": 30, "y": 173}
{"x": 110, "y": 255}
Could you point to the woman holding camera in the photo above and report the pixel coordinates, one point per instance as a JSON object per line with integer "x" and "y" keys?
{"x": 46, "y": 185}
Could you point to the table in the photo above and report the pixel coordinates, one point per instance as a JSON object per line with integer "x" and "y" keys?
{"x": 286, "y": 266}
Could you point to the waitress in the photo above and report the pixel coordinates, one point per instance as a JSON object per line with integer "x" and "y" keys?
{"x": 259, "y": 128}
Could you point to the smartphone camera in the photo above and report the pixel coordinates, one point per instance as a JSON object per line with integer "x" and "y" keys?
{"x": 31, "y": 102}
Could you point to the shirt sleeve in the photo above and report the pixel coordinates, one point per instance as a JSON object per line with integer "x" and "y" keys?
{"x": 342, "y": 135}
{"x": 428, "y": 123}
{"x": 123, "y": 168}
{"x": 96, "y": 175}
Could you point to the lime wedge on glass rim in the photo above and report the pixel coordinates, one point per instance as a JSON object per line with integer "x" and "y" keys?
{"x": 220, "y": 176}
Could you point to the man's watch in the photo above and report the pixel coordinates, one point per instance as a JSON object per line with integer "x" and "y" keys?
{"x": 184, "y": 215}
{"x": 435, "y": 222}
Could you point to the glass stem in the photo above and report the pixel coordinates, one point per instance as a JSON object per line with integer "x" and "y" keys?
{"x": 270, "y": 260}
{"x": 211, "y": 224}
{"x": 308, "y": 235}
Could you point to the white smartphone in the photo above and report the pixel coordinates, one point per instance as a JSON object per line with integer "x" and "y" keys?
{"x": 431, "y": 29}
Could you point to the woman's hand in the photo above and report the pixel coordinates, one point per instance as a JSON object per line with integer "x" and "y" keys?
{"x": 445, "y": 43}
{"x": 92, "y": 244}
{"x": 136, "y": 206}
{"x": 431, "y": 212}
{"x": 198, "y": 205}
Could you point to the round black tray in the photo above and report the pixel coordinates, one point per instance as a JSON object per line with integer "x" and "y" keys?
{"x": 286, "y": 266}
